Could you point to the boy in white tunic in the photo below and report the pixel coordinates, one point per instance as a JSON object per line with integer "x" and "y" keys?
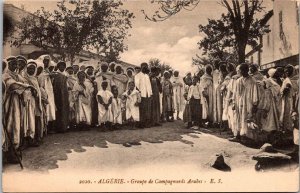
{"x": 133, "y": 99}
{"x": 116, "y": 106}
{"x": 82, "y": 100}
{"x": 104, "y": 98}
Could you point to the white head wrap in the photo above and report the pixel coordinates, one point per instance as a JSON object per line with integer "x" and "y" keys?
{"x": 271, "y": 72}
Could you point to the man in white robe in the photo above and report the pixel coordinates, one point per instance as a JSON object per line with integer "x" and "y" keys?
{"x": 13, "y": 101}
{"x": 46, "y": 83}
{"x": 247, "y": 94}
{"x": 177, "y": 83}
{"x": 35, "y": 110}
{"x": 143, "y": 84}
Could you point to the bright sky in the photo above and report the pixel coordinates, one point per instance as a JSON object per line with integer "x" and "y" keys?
{"x": 173, "y": 41}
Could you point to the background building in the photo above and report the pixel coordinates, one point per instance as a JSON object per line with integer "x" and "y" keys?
{"x": 281, "y": 46}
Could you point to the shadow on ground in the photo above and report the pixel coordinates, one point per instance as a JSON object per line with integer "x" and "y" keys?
{"x": 56, "y": 146}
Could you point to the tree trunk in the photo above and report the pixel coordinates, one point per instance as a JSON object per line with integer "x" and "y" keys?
{"x": 72, "y": 59}
{"x": 241, "y": 49}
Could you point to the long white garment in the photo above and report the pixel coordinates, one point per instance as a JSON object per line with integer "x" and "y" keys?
{"x": 12, "y": 105}
{"x": 230, "y": 112}
{"x": 116, "y": 106}
{"x": 286, "y": 105}
{"x": 204, "y": 104}
{"x": 296, "y": 136}
{"x": 104, "y": 115}
{"x": 143, "y": 84}
{"x": 178, "y": 93}
{"x": 132, "y": 111}
{"x": 45, "y": 82}
{"x": 90, "y": 90}
{"x": 33, "y": 106}
{"x": 82, "y": 104}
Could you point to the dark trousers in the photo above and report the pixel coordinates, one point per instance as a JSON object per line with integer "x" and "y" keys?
{"x": 145, "y": 112}
{"x": 196, "y": 111}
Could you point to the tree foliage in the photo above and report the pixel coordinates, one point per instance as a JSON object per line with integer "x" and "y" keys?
{"x": 155, "y": 62}
{"x": 227, "y": 36}
{"x": 77, "y": 25}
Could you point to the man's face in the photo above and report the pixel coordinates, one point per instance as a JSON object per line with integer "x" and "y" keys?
{"x": 61, "y": 68}
{"x": 31, "y": 70}
{"x": 90, "y": 71}
{"x": 252, "y": 70}
{"x": 238, "y": 71}
{"x": 115, "y": 91}
{"x": 39, "y": 70}
{"x": 166, "y": 75}
{"x": 112, "y": 67}
{"x": 51, "y": 68}
{"x": 118, "y": 70}
{"x": 131, "y": 85}
{"x": 195, "y": 81}
{"x": 287, "y": 72}
{"x": 75, "y": 69}
{"x": 104, "y": 85}
{"x": 280, "y": 72}
{"x": 13, "y": 65}
{"x": 244, "y": 72}
{"x": 81, "y": 77}
{"x": 82, "y": 68}
{"x": 176, "y": 74}
{"x": 21, "y": 64}
{"x": 144, "y": 69}
{"x": 129, "y": 73}
{"x": 189, "y": 81}
{"x": 70, "y": 71}
{"x": 46, "y": 62}
{"x": 104, "y": 68}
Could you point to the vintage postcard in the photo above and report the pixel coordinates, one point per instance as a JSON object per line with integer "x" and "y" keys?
{"x": 150, "y": 96}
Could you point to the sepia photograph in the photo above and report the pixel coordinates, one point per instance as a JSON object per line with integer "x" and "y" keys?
{"x": 150, "y": 95}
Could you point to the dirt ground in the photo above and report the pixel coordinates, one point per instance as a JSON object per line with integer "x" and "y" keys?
{"x": 169, "y": 152}
{"x": 172, "y": 141}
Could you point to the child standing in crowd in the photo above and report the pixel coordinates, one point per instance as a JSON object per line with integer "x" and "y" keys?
{"x": 194, "y": 98}
{"x": 81, "y": 96}
{"x": 104, "y": 97}
{"x": 116, "y": 106}
{"x": 132, "y": 99}
{"x": 167, "y": 101}
{"x": 187, "y": 117}
{"x": 71, "y": 81}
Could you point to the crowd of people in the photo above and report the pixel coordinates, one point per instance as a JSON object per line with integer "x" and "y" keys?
{"x": 42, "y": 97}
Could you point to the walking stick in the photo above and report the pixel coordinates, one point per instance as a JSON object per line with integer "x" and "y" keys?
{"x": 10, "y": 140}
{"x": 13, "y": 147}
